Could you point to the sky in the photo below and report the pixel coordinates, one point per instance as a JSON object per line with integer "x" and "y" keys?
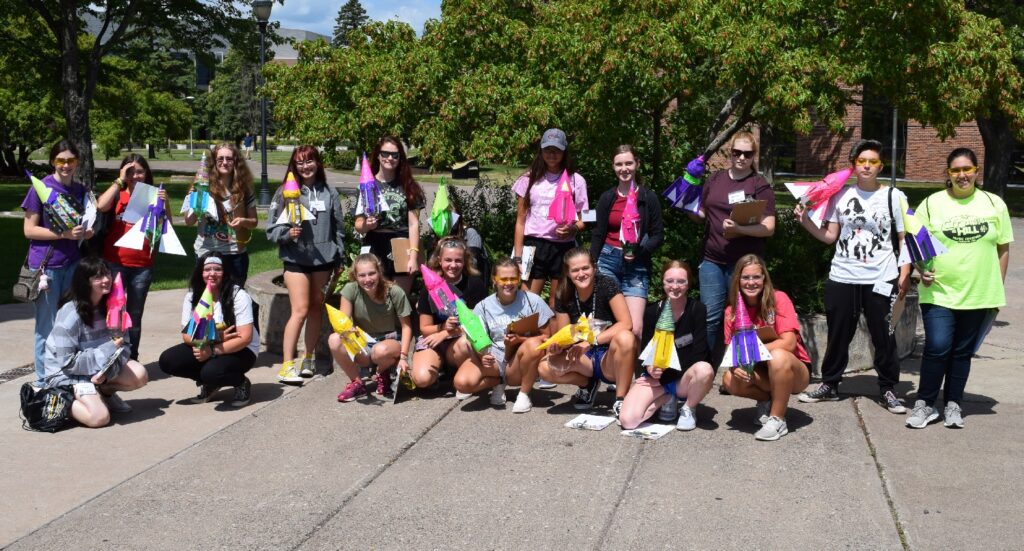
{"x": 318, "y": 15}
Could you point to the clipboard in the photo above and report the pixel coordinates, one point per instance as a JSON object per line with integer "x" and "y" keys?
{"x": 400, "y": 249}
{"x": 767, "y": 334}
{"x": 746, "y": 213}
{"x": 526, "y": 327}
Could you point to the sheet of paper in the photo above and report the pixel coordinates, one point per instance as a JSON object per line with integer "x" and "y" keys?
{"x": 649, "y": 431}
{"x": 585, "y": 421}
{"x": 527, "y": 265}
{"x": 138, "y": 205}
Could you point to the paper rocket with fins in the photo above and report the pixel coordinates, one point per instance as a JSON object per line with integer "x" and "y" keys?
{"x": 201, "y": 327}
{"x": 571, "y": 334}
{"x": 472, "y": 327}
{"x": 198, "y": 200}
{"x": 661, "y": 352}
{"x": 815, "y": 195}
{"x": 62, "y": 211}
{"x": 629, "y": 230}
{"x": 354, "y": 339}
{"x": 919, "y": 245}
{"x": 563, "y": 209}
{"x": 155, "y": 228}
{"x": 439, "y": 292}
{"x": 685, "y": 193}
{"x": 441, "y": 215}
{"x": 293, "y": 213}
{"x": 118, "y": 320}
{"x": 371, "y": 200}
{"x": 745, "y": 349}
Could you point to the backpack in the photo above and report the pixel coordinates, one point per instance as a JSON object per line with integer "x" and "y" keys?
{"x": 46, "y": 409}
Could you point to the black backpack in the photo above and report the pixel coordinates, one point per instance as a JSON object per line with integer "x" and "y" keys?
{"x": 45, "y": 410}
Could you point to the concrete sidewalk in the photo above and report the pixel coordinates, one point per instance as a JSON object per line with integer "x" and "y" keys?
{"x": 296, "y": 469}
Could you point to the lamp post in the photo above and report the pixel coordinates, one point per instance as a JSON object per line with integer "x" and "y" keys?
{"x": 261, "y": 10}
{"x": 191, "y": 123}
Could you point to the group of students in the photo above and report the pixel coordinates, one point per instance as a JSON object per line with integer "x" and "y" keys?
{"x": 606, "y": 282}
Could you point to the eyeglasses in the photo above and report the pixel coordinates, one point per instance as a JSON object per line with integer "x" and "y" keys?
{"x": 505, "y": 280}
{"x": 743, "y": 154}
{"x": 676, "y": 282}
{"x": 389, "y": 155}
{"x": 746, "y": 278}
{"x": 225, "y": 160}
{"x": 70, "y": 161}
{"x": 307, "y": 162}
{"x": 965, "y": 170}
{"x": 868, "y": 162}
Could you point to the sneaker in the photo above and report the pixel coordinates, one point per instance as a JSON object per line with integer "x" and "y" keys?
{"x": 921, "y": 415}
{"x": 609, "y": 388}
{"x": 117, "y": 405}
{"x": 585, "y": 396}
{"x": 289, "y": 373}
{"x": 545, "y": 385}
{"x": 243, "y": 394}
{"x": 667, "y": 413}
{"x": 384, "y": 384}
{"x": 353, "y": 390}
{"x": 823, "y": 393}
{"x": 308, "y": 367}
{"x": 687, "y": 419}
{"x": 954, "y": 417}
{"x": 764, "y": 411}
{"x": 206, "y": 393}
{"x": 617, "y": 407}
{"x": 498, "y": 395}
{"x": 890, "y": 402}
{"x": 461, "y": 396}
{"x": 773, "y": 429}
{"x": 523, "y": 403}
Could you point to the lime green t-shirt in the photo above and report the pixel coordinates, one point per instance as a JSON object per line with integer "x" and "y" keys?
{"x": 967, "y": 277}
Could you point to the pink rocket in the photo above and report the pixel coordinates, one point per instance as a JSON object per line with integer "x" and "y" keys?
{"x": 369, "y": 192}
{"x": 440, "y": 293}
{"x": 821, "y": 192}
{"x": 563, "y": 209}
{"x": 118, "y": 319}
{"x": 629, "y": 230}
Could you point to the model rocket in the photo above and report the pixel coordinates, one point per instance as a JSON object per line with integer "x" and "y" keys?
{"x": 815, "y": 195}
{"x": 919, "y": 245}
{"x": 62, "y": 211}
{"x": 156, "y": 228}
{"x": 440, "y": 212}
{"x": 745, "y": 349}
{"x": 293, "y": 213}
{"x": 198, "y": 200}
{"x": 440, "y": 293}
{"x": 118, "y": 320}
{"x": 661, "y": 352}
{"x": 629, "y": 230}
{"x": 201, "y": 327}
{"x": 354, "y": 339}
{"x": 472, "y": 327}
{"x": 571, "y": 334}
{"x": 685, "y": 193}
{"x": 562, "y": 209}
{"x": 371, "y": 201}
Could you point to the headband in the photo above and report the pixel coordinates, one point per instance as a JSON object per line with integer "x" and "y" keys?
{"x": 213, "y": 260}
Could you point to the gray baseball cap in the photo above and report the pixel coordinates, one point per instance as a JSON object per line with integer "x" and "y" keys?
{"x": 554, "y": 137}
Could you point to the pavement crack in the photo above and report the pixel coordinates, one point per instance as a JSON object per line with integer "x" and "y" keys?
{"x": 622, "y": 495}
{"x": 352, "y": 494}
{"x": 881, "y": 475}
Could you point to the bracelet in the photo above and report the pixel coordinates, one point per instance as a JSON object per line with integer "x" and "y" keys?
{"x": 120, "y": 183}
{"x": 403, "y": 356}
{"x": 412, "y": 250}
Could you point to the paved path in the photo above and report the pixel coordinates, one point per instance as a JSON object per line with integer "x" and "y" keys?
{"x": 298, "y": 470}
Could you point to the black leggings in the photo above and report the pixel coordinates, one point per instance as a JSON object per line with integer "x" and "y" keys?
{"x": 224, "y": 370}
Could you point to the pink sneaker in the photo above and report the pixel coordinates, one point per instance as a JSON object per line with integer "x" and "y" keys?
{"x": 383, "y": 384}
{"x": 355, "y": 389}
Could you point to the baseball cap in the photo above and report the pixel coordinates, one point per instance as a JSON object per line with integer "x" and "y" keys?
{"x": 554, "y": 137}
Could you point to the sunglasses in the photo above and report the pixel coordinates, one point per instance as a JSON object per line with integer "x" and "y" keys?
{"x": 71, "y": 161}
{"x": 389, "y": 155}
{"x": 868, "y": 162}
{"x": 743, "y": 154}
{"x": 505, "y": 280}
{"x": 965, "y": 170}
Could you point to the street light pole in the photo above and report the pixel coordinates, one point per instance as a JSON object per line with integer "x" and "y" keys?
{"x": 261, "y": 9}
{"x": 191, "y": 123}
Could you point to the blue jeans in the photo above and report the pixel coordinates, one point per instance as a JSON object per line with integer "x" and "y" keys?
{"x": 47, "y": 305}
{"x": 136, "y": 283}
{"x": 633, "y": 277}
{"x": 951, "y": 337}
{"x": 714, "y": 290}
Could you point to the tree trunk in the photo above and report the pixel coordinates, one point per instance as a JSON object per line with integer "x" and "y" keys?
{"x": 999, "y": 143}
{"x": 767, "y": 150}
{"x": 656, "y": 147}
{"x": 76, "y": 100}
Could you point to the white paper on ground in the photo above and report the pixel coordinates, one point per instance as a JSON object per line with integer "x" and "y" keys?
{"x": 586, "y": 421}
{"x": 649, "y": 431}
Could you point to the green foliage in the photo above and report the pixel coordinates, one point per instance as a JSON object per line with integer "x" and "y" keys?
{"x": 490, "y": 208}
{"x": 231, "y": 107}
{"x": 351, "y": 17}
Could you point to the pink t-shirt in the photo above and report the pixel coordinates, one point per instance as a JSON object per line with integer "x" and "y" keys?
{"x": 785, "y": 320}
{"x": 543, "y": 191}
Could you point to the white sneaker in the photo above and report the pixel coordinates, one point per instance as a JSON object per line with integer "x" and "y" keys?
{"x": 545, "y": 385}
{"x": 117, "y": 405}
{"x": 773, "y": 429}
{"x": 523, "y": 403}
{"x": 460, "y": 396}
{"x": 498, "y": 395}
{"x": 687, "y": 418}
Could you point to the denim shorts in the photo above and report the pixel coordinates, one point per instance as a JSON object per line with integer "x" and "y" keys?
{"x": 633, "y": 277}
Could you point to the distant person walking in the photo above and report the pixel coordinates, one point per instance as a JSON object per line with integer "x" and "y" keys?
{"x": 247, "y": 143}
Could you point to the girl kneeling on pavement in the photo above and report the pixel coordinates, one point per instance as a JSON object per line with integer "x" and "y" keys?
{"x": 80, "y": 348}
{"x": 584, "y": 291}
{"x": 513, "y": 358}
{"x": 381, "y": 309}
{"x": 659, "y": 388}
{"x": 789, "y": 369}
{"x": 225, "y": 361}
{"x": 439, "y": 347}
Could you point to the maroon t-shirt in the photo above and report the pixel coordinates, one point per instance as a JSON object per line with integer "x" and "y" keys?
{"x": 615, "y": 222}
{"x": 717, "y": 208}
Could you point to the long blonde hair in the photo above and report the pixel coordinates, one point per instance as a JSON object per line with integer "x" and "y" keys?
{"x": 766, "y": 310}
{"x": 241, "y": 181}
{"x": 383, "y": 284}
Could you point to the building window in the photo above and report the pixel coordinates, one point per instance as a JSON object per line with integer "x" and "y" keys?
{"x": 876, "y": 124}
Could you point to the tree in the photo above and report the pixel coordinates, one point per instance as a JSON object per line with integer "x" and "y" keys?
{"x": 351, "y": 17}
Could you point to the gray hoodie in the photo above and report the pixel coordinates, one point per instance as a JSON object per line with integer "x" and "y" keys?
{"x": 321, "y": 239}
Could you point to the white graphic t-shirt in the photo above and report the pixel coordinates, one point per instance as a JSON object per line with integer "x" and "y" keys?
{"x": 864, "y": 253}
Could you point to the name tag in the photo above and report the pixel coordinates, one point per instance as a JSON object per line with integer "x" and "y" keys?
{"x": 737, "y": 197}
{"x": 589, "y": 216}
{"x": 685, "y": 340}
{"x": 883, "y": 288}
{"x": 317, "y": 205}
{"x": 364, "y": 250}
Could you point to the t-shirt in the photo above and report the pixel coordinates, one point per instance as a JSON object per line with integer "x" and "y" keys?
{"x": 785, "y": 319}
{"x": 967, "y": 277}
{"x": 372, "y": 317}
{"x": 471, "y": 289}
{"x": 396, "y": 218}
{"x": 217, "y": 235}
{"x": 541, "y": 194}
{"x": 243, "y": 315}
{"x": 615, "y": 222}
{"x": 717, "y": 208}
{"x": 125, "y": 256}
{"x": 864, "y": 252}
{"x": 496, "y": 317}
{"x": 599, "y": 304}
{"x": 65, "y": 251}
